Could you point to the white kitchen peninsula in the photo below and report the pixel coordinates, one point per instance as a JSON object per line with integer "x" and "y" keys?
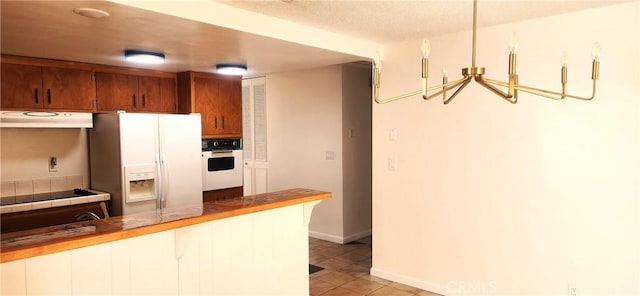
{"x": 252, "y": 245}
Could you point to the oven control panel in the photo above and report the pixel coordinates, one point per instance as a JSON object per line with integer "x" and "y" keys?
{"x": 221, "y": 144}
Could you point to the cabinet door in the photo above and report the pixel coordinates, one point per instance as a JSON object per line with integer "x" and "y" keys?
{"x": 149, "y": 94}
{"x": 116, "y": 92}
{"x": 68, "y": 89}
{"x": 229, "y": 106}
{"x": 206, "y": 92}
{"x": 158, "y": 94}
{"x": 21, "y": 86}
{"x": 168, "y": 95}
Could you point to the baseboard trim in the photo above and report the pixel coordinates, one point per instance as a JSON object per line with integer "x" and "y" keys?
{"x": 356, "y": 236}
{"x": 410, "y": 281}
{"x": 327, "y": 237}
{"x": 339, "y": 239}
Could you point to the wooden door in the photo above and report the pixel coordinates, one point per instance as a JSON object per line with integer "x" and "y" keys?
{"x": 229, "y": 106}
{"x": 206, "y": 92}
{"x": 21, "y": 87}
{"x": 149, "y": 93}
{"x": 68, "y": 89}
{"x": 116, "y": 92}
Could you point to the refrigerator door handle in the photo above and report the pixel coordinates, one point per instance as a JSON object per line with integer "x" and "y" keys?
{"x": 165, "y": 181}
{"x": 159, "y": 181}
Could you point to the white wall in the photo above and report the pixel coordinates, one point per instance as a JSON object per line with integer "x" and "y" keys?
{"x": 304, "y": 122}
{"x": 356, "y": 151}
{"x": 524, "y": 199}
{"x": 25, "y": 153}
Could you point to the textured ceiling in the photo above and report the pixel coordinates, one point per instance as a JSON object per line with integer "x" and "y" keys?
{"x": 49, "y": 29}
{"x": 398, "y": 20}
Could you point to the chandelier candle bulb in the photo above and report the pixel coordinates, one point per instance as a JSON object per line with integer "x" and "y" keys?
{"x": 513, "y": 43}
{"x": 595, "y": 51}
{"x": 426, "y": 48}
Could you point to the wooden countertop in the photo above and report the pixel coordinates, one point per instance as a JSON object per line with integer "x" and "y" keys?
{"x": 46, "y": 240}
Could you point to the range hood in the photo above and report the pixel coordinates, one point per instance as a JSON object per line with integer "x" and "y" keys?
{"x": 41, "y": 119}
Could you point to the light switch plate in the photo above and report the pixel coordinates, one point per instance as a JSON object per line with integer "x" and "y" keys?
{"x": 393, "y": 135}
{"x": 330, "y": 155}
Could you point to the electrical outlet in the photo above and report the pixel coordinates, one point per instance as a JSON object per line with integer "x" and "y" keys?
{"x": 53, "y": 164}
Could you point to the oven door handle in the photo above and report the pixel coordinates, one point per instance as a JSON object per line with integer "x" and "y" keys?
{"x": 221, "y": 151}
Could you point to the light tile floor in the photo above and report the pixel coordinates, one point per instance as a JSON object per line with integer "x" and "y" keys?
{"x": 346, "y": 271}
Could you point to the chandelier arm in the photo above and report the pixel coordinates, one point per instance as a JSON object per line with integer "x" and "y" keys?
{"x": 539, "y": 92}
{"x": 545, "y": 93}
{"x": 446, "y": 101}
{"x": 444, "y": 87}
{"x": 411, "y": 94}
{"x": 593, "y": 94}
{"x": 492, "y": 88}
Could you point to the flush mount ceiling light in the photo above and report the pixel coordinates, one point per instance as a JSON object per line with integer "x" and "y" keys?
{"x": 91, "y": 12}
{"x": 231, "y": 69}
{"x": 477, "y": 73}
{"x": 143, "y": 57}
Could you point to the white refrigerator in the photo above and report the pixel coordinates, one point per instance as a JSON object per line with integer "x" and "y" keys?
{"x": 146, "y": 161}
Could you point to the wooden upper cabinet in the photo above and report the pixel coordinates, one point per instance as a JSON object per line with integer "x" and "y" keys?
{"x": 40, "y": 87}
{"x": 206, "y": 91}
{"x": 68, "y": 88}
{"x": 158, "y": 94}
{"x": 135, "y": 93}
{"x": 116, "y": 91}
{"x": 21, "y": 86}
{"x": 217, "y": 98}
{"x": 229, "y": 105}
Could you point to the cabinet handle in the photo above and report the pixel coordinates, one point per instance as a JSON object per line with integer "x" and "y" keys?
{"x": 134, "y": 100}
{"x": 36, "y": 94}
{"x": 144, "y": 101}
{"x": 49, "y": 96}
{"x": 222, "y": 122}
{"x": 215, "y": 122}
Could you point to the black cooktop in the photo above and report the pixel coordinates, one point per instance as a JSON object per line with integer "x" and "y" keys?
{"x": 20, "y": 199}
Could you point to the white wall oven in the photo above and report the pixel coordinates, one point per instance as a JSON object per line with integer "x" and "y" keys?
{"x": 221, "y": 163}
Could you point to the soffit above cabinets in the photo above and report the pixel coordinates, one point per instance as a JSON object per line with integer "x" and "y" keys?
{"x": 50, "y": 29}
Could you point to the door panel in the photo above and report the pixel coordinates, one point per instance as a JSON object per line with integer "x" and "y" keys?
{"x": 68, "y": 88}
{"x": 206, "y": 91}
{"x": 116, "y": 92}
{"x": 149, "y": 94}
{"x": 181, "y": 151}
{"x": 167, "y": 96}
{"x": 230, "y": 107}
{"x": 21, "y": 86}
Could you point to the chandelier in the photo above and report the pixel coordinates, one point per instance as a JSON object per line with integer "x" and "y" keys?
{"x": 477, "y": 74}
